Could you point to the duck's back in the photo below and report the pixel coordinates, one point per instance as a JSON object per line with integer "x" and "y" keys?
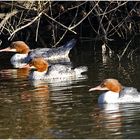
{"x": 54, "y": 53}
{"x": 65, "y": 72}
{"x": 60, "y": 71}
{"x": 129, "y": 91}
{"x": 129, "y": 95}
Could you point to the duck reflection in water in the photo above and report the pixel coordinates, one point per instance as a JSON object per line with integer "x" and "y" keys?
{"x": 36, "y": 111}
{"x": 116, "y": 119}
{"x": 108, "y": 118}
{"x": 22, "y": 73}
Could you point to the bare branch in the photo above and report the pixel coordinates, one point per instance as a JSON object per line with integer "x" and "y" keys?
{"x": 60, "y": 23}
{"x": 84, "y": 17}
{"x": 9, "y": 15}
{"x": 24, "y": 26}
{"x": 120, "y": 56}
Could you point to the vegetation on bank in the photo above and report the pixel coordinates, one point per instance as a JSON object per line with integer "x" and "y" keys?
{"x": 51, "y": 22}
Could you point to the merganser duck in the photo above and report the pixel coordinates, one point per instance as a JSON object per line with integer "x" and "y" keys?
{"x": 21, "y": 48}
{"x": 56, "y": 71}
{"x": 116, "y": 93}
{"x": 24, "y": 54}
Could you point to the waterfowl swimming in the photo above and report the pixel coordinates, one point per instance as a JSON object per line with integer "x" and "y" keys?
{"x": 56, "y": 71}
{"x": 24, "y": 54}
{"x": 116, "y": 93}
{"x": 17, "y": 59}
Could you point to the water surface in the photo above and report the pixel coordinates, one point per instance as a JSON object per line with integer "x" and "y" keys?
{"x": 66, "y": 109}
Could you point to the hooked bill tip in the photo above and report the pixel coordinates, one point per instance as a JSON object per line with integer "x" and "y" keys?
{"x": 91, "y": 89}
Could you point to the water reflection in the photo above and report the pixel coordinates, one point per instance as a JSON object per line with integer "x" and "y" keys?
{"x": 112, "y": 117}
{"x": 14, "y": 73}
{"x": 117, "y": 120}
{"x": 44, "y": 96}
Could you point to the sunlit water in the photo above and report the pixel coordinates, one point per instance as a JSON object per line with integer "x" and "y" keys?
{"x": 66, "y": 109}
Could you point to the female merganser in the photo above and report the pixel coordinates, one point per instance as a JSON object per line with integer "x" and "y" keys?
{"x": 116, "y": 93}
{"x": 24, "y": 54}
{"x": 56, "y": 71}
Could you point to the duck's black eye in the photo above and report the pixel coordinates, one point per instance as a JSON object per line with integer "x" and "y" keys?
{"x": 102, "y": 85}
{"x": 12, "y": 45}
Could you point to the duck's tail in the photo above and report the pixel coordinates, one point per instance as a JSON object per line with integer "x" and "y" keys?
{"x": 65, "y": 49}
{"x": 70, "y": 44}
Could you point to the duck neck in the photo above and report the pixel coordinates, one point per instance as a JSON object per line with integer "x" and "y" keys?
{"x": 116, "y": 89}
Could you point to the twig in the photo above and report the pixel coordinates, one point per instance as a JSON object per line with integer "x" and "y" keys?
{"x": 53, "y": 26}
{"x": 84, "y": 17}
{"x": 71, "y": 8}
{"x": 125, "y": 49}
{"x": 66, "y": 30}
{"x": 9, "y": 15}
{"x": 59, "y": 23}
{"x": 22, "y": 27}
{"x": 116, "y": 8}
{"x": 37, "y": 30}
{"x": 17, "y": 6}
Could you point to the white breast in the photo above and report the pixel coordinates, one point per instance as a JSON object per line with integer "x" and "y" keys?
{"x": 113, "y": 97}
{"x": 18, "y": 60}
{"x": 35, "y": 75}
{"x": 108, "y": 97}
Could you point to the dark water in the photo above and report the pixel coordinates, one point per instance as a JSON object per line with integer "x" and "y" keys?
{"x": 66, "y": 109}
